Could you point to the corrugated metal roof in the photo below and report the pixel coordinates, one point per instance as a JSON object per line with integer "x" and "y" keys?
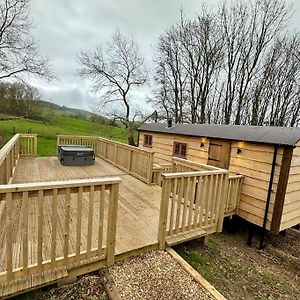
{"x": 259, "y": 134}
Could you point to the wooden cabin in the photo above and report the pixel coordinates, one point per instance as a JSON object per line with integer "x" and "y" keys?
{"x": 268, "y": 157}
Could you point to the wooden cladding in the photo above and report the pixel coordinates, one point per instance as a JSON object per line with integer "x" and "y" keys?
{"x": 180, "y": 149}
{"x": 148, "y": 140}
{"x": 74, "y": 221}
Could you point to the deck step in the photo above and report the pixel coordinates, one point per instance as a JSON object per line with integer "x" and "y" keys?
{"x": 17, "y": 286}
{"x": 185, "y": 236}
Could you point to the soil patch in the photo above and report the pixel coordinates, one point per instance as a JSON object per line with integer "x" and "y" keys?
{"x": 242, "y": 272}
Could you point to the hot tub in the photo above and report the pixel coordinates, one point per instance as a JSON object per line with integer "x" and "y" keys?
{"x": 76, "y": 155}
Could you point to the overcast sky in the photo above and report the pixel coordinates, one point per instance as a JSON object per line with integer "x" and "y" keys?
{"x": 64, "y": 27}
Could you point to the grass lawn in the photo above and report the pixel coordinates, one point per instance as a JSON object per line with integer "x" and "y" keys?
{"x": 60, "y": 125}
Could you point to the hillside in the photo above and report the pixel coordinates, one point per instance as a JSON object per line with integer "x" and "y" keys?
{"x": 60, "y": 124}
{"x": 64, "y": 110}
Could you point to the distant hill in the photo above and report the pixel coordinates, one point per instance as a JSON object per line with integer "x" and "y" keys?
{"x": 68, "y": 111}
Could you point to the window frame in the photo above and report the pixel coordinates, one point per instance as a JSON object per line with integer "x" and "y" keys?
{"x": 146, "y": 139}
{"x": 180, "y": 145}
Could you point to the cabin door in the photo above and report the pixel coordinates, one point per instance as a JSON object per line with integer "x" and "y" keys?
{"x": 219, "y": 153}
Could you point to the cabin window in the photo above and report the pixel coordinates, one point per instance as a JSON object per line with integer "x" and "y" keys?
{"x": 179, "y": 150}
{"x": 148, "y": 140}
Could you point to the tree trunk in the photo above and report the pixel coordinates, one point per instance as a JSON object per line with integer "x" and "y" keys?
{"x": 130, "y": 137}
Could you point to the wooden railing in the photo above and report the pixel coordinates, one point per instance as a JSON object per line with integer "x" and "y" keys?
{"x": 184, "y": 165}
{"x": 192, "y": 200}
{"x": 28, "y": 144}
{"x": 19, "y": 144}
{"x": 134, "y": 161}
{"x": 159, "y": 169}
{"x": 57, "y": 224}
{"x": 234, "y": 194}
{"x": 9, "y": 155}
{"x": 177, "y": 165}
{"x": 89, "y": 141}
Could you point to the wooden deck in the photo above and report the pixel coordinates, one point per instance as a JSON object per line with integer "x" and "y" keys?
{"x": 138, "y": 210}
{"x": 63, "y": 221}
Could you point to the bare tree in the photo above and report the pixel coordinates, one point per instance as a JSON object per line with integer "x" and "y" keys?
{"x": 238, "y": 65}
{"x": 115, "y": 70}
{"x": 19, "y": 99}
{"x": 18, "y": 51}
{"x": 170, "y": 76}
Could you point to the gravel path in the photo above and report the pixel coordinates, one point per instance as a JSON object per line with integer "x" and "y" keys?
{"x": 155, "y": 275}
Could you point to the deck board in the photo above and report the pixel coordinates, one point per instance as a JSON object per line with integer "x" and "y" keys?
{"x": 138, "y": 211}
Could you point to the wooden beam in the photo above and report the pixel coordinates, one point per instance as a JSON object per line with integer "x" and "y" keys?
{"x": 191, "y": 271}
{"x": 281, "y": 189}
{"x": 112, "y": 224}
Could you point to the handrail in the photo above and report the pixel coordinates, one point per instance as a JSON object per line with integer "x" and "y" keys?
{"x": 127, "y": 146}
{"x": 47, "y": 185}
{"x": 195, "y": 173}
{"x": 190, "y": 163}
{"x": 8, "y": 146}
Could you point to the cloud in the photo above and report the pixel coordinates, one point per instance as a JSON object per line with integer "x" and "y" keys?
{"x": 64, "y": 28}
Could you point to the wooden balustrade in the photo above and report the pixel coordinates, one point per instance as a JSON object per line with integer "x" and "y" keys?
{"x": 57, "y": 224}
{"x": 89, "y": 141}
{"x": 28, "y": 144}
{"x": 192, "y": 200}
{"x": 19, "y": 144}
{"x": 184, "y": 165}
{"x": 234, "y": 194}
{"x": 134, "y": 161}
{"x": 159, "y": 169}
{"x": 9, "y": 155}
{"x": 177, "y": 165}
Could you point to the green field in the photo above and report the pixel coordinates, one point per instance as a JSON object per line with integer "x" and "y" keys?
{"x": 60, "y": 125}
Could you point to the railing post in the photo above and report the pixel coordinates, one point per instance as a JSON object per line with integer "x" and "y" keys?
{"x": 239, "y": 193}
{"x": 35, "y": 145}
{"x": 112, "y": 224}
{"x": 130, "y": 160}
{"x": 115, "y": 153}
{"x": 150, "y": 168}
{"x": 105, "y": 152}
{"x": 222, "y": 203}
{"x": 163, "y": 212}
{"x": 57, "y": 143}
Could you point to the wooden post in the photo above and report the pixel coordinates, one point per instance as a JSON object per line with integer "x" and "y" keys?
{"x": 8, "y": 231}
{"x": 130, "y": 160}
{"x": 239, "y": 194}
{"x": 40, "y": 230}
{"x": 35, "y": 145}
{"x": 163, "y": 213}
{"x": 112, "y": 224}
{"x": 115, "y": 154}
{"x": 150, "y": 168}
{"x": 222, "y": 203}
{"x": 25, "y": 231}
{"x": 57, "y": 143}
